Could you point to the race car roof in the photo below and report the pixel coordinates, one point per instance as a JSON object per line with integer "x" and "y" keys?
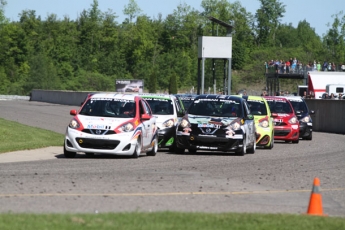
{"x": 130, "y": 97}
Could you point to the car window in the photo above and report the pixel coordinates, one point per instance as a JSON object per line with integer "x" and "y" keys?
{"x": 280, "y": 107}
{"x": 178, "y": 107}
{"x": 108, "y": 107}
{"x": 146, "y": 107}
{"x": 257, "y": 107}
{"x": 220, "y": 108}
{"x": 299, "y": 106}
{"x": 161, "y": 106}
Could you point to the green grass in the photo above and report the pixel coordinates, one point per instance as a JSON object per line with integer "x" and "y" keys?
{"x": 15, "y": 136}
{"x": 169, "y": 220}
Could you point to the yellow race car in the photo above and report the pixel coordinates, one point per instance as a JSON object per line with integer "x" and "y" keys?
{"x": 263, "y": 121}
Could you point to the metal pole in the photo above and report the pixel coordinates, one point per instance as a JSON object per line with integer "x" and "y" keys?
{"x": 199, "y": 77}
{"x": 203, "y": 76}
{"x": 229, "y": 76}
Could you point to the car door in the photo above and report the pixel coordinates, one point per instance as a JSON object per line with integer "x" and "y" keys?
{"x": 250, "y": 124}
{"x": 148, "y": 125}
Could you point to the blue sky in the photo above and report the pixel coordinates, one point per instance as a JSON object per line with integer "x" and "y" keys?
{"x": 317, "y": 12}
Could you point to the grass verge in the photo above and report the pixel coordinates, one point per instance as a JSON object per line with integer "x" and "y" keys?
{"x": 15, "y": 136}
{"x": 169, "y": 220}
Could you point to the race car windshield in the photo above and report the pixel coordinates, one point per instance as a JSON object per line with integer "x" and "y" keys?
{"x": 257, "y": 107}
{"x": 161, "y": 106}
{"x": 187, "y": 102}
{"x": 108, "y": 108}
{"x": 299, "y": 106}
{"x": 215, "y": 108}
{"x": 280, "y": 107}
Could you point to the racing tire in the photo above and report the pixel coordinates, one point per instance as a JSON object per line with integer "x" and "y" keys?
{"x": 270, "y": 146}
{"x": 251, "y": 150}
{"x": 68, "y": 154}
{"x": 179, "y": 150}
{"x": 173, "y": 147}
{"x": 310, "y": 137}
{"x": 193, "y": 151}
{"x": 154, "y": 149}
{"x": 90, "y": 154}
{"x": 295, "y": 141}
{"x": 243, "y": 150}
{"x": 137, "y": 149}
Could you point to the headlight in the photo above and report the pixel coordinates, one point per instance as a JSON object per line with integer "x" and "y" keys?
{"x": 74, "y": 124}
{"x": 264, "y": 123}
{"x": 184, "y": 123}
{"x": 293, "y": 120}
{"x": 127, "y": 127}
{"x": 168, "y": 124}
{"x": 306, "y": 119}
{"x": 235, "y": 126}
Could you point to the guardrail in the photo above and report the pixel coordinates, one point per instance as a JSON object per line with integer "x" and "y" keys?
{"x": 329, "y": 114}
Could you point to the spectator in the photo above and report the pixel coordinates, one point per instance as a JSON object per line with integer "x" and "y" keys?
{"x": 314, "y": 66}
{"x": 342, "y": 67}
{"x": 324, "y": 66}
{"x": 264, "y": 93}
{"x": 287, "y": 63}
{"x": 318, "y": 66}
{"x": 340, "y": 96}
{"x": 305, "y": 94}
{"x": 332, "y": 96}
{"x": 329, "y": 67}
{"x": 276, "y": 65}
{"x": 333, "y": 66}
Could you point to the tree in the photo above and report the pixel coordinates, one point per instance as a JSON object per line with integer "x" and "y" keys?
{"x": 132, "y": 10}
{"x": 334, "y": 40}
{"x": 268, "y": 18}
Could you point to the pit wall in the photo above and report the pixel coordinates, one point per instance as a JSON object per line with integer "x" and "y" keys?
{"x": 329, "y": 114}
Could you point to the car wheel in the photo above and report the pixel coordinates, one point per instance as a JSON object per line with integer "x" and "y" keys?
{"x": 243, "y": 150}
{"x": 68, "y": 154}
{"x": 137, "y": 149}
{"x": 154, "y": 149}
{"x": 192, "y": 151}
{"x": 271, "y": 144}
{"x": 90, "y": 154}
{"x": 252, "y": 149}
{"x": 310, "y": 137}
{"x": 179, "y": 150}
{"x": 173, "y": 147}
{"x": 295, "y": 141}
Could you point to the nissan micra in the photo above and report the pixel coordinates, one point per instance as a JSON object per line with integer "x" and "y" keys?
{"x": 111, "y": 123}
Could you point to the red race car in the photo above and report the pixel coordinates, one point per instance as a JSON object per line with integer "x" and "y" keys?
{"x": 286, "y": 124}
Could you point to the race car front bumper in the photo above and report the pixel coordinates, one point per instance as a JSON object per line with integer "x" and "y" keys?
{"x": 166, "y": 137}
{"x": 305, "y": 129}
{"x": 212, "y": 143}
{"x": 287, "y": 133}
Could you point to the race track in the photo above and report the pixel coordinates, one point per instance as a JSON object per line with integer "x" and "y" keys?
{"x": 270, "y": 181}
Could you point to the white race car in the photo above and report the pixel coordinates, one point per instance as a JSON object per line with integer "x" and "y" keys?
{"x": 110, "y": 123}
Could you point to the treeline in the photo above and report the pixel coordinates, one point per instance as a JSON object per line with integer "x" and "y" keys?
{"x": 89, "y": 53}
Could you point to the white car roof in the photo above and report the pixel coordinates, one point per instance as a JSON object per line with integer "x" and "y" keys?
{"x": 114, "y": 95}
{"x": 166, "y": 96}
{"x": 294, "y": 98}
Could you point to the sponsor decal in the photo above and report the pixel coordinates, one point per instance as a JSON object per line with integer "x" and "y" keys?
{"x": 205, "y": 147}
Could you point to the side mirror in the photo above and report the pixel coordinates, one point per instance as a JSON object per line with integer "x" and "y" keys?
{"x": 73, "y": 112}
{"x": 274, "y": 115}
{"x": 312, "y": 112}
{"x": 250, "y": 117}
{"x": 181, "y": 114}
{"x": 298, "y": 112}
{"x": 145, "y": 117}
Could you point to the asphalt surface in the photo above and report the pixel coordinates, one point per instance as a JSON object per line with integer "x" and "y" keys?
{"x": 270, "y": 181}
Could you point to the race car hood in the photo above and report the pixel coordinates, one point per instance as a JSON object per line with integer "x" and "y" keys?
{"x": 223, "y": 121}
{"x": 102, "y": 123}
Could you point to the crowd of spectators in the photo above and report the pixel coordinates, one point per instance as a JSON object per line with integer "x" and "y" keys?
{"x": 296, "y": 66}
